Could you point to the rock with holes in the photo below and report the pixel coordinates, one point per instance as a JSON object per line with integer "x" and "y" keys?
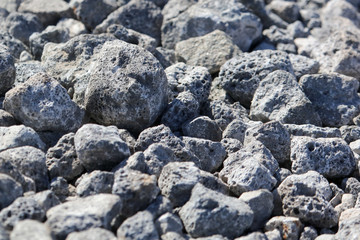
{"x": 306, "y": 196}
{"x": 156, "y": 156}
{"x": 349, "y": 224}
{"x": 177, "y": 179}
{"x": 25, "y": 70}
{"x": 225, "y": 215}
{"x": 202, "y": 127}
{"x": 43, "y": 104}
{"x": 334, "y": 97}
{"x": 92, "y": 234}
{"x": 10, "y": 190}
{"x": 134, "y": 92}
{"x": 31, "y": 229}
{"x": 231, "y": 145}
{"x": 30, "y": 161}
{"x": 7, "y": 69}
{"x": 350, "y": 133}
{"x": 182, "y": 77}
{"x": 241, "y": 75}
{"x": 14, "y": 46}
{"x": 312, "y": 131}
{"x": 236, "y": 129}
{"x": 331, "y": 157}
{"x": 280, "y": 38}
{"x": 99, "y": 147}
{"x": 289, "y": 227}
{"x": 94, "y": 183}
{"x": 211, "y": 154}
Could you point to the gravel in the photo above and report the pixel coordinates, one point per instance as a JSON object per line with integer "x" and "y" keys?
{"x": 179, "y": 119}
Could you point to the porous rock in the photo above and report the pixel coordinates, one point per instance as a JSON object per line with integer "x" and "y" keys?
{"x": 202, "y": 127}
{"x": 7, "y": 70}
{"x": 289, "y": 227}
{"x": 94, "y": 183}
{"x": 312, "y": 131}
{"x": 10, "y": 190}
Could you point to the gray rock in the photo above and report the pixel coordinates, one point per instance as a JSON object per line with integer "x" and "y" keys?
{"x": 236, "y": 129}
{"x": 230, "y": 16}
{"x": 348, "y": 224}
{"x": 173, "y": 236}
{"x": 289, "y": 227}
{"x": 202, "y": 127}
{"x": 52, "y": 34}
{"x": 22, "y": 208}
{"x": 135, "y": 189}
{"x": 30, "y": 161}
{"x": 18, "y": 136}
{"x": 178, "y": 179}
{"x": 99, "y": 147}
{"x": 289, "y": 11}
{"x": 182, "y": 77}
{"x": 94, "y": 183}
{"x": 196, "y": 51}
{"x": 309, "y": 233}
{"x": 92, "y": 12}
{"x": 160, "y": 206}
{"x": 22, "y": 25}
{"x": 298, "y": 30}
{"x": 30, "y": 229}
{"x": 224, "y": 215}
{"x": 253, "y": 236}
{"x": 6, "y": 119}
{"x": 92, "y": 234}
{"x": 73, "y": 26}
{"x": 350, "y": 133}
{"x": 333, "y": 96}
{"x": 168, "y": 222}
{"x": 10, "y": 5}
{"x": 60, "y": 187}
{"x": 303, "y": 65}
{"x": 306, "y": 196}
{"x": 163, "y": 134}
{"x": 62, "y": 160}
{"x": 261, "y": 203}
{"x": 274, "y": 136}
{"x": 140, "y": 15}
{"x": 280, "y": 98}
{"x": 347, "y": 201}
{"x": 14, "y": 46}
{"x": 70, "y": 62}
{"x": 49, "y": 13}
{"x": 241, "y": 75}
{"x": 127, "y": 137}
{"x": 132, "y": 95}
{"x": 183, "y": 108}
{"x": 25, "y": 70}
{"x": 280, "y": 38}
{"x": 231, "y": 145}
{"x": 312, "y": 131}
{"x": 10, "y": 190}
{"x": 211, "y": 154}
{"x": 140, "y": 226}
{"x": 43, "y": 104}
{"x": 331, "y": 157}
{"x": 351, "y": 185}
{"x": 156, "y": 156}
{"x": 25, "y": 56}
{"x": 46, "y": 199}
{"x": 165, "y": 56}
{"x": 7, "y": 69}
{"x": 82, "y": 214}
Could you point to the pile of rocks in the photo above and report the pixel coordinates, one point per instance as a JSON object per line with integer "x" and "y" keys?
{"x": 179, "y": 119}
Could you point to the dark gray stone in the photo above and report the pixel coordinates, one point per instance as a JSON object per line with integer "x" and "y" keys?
{"x": 7, "y": 70}
{"x": 202, "y": 127}
{"x": 61, "y": 188}
{"x": 351, "y": 185}
{"x": 10, "y": 190}
{"x": 165, "y": 56}
{"x": 350, "y": 133}
{"x": 289, "y": 11}
{"x": 236, "y": 129}
{"x": 160, "y": 206}
{"x": 99, "y": 147}
{"x": 308, "y": 233}
{"x": 15, "y": 46}
{"x": 6, "y": 119}
{"x": 94, "y": 183}
{"x": 280, "y": 38}
{"x": 224, "y": 215}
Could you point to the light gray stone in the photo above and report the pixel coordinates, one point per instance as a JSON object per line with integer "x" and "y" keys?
{"x": 236, "y": 129}
{"x": 92, "y": 234}
{"x": 351, "y": 185}
{"x": 9, "y": 168}
{"x": 46, "y": 199}
{"x": 312, "y": 131}
{"x": 280, "y": 38}
{"x": 30, "y": 229}
{"x": 348, "y": 224}
{"x": 25, "y": 70}
{"x": 289, "y": 227}
{"x": 156, "y": 156}
{"x": 73, "y": 26}
{"x": 303, "y": 65}
{"x": 61, "y": 188}
{"x": 224, "y": 215}
{"x": 202, "y": 127}
{"x": 309, "y": 233}
{"x": 168, "y": 222}
{"x": 231, "y": 145}
{"x": 94, "y": 183}
{"x": 350, "y": 133}
{"x": 10, "y": 190}
{"x": 7, "y": 69}
{"x": 289, "y": 11}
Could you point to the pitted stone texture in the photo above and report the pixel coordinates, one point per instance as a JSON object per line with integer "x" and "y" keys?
{"x": 160, "y": 206}
{"x": 289, "y": 227}
{"x": 7, "y": 69}
{"x": 30, "y": 229}
{"x": 206, "y": 16}
{"x": 280, "y": 38}
{"x": 99, "y": 147}
{"x": 92, "y": 234}
{"x": 351, "y": 185}
{"x": 312, "y": 131}
{"x": 308, "y": 233}
{"x": 182, "y": 77}
{"x": 224, "y": 215}
{"x": 241, "y": 75}
{"x": 43, "y": 104}
{"x": 18, "y": 136}
{"x": 14, "y": 46}
{"x": 25, "y": 70}
{"x": 128, "y": 88}
{"x": 211, "y": 154}
{"x": 196, "y": 51}
{"x": 92, "y": 12}
{"x": 62, "y": 160}
{"x": 289, "y": 11}
{"x": 135, "y": 189}
{"x": 22, "y": 208}
{"x": 30, "y": 161}
{"x": 231, "y": 145}
{"x": 236, "y": 129}
{"x": 331, "y": 157}
{"x": 183, "y": 108}
{"x": 94, "y": 183}
{"x": 177, "y": 179}
{"x": 140, "y": 226}
{"x": 46, "y": 199}
{"x": 140, "y": 15}
{"x": 279, "y": 97}
{"x": 350, "y": 133}
{"x": 6, "y": 119}
{"x": 349, "y": 224}
{"x": 156, "y": 156}
{"x": 61, "y": 188}
{"x": 10, "y": 190}
{"x": 334, "y": 97}
{"x": 71, "y": 63}
{"x": 202, "y": 127}
{"x": 303, "y": 65}
{"x": 163, "y": 134}
{"x": 168, "y": 222}
{"x": 82, "y": 214}
{"x": 274, "y": 136}
{"x": 307, "y": 197}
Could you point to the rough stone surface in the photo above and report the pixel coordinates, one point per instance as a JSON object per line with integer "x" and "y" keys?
{"x": 94, "y": 183}
{"x": 331, "y": 157}
{"x": 7, "y": 69}
{"x": 289, "y": 227}
{"x": 99, "y": 147}
{"x": 30, "y": 229}
{"x": 14, "y": 46}
{"x": 25, "y": 70}
{"x": 303, "y": 65}
{"x": 92, "y": 234}
{"x": 43, "y": 104}
{"x": 334, "y": 97}
{"x": 10, "y": 190}
{"x": 312, "y": 131}
{"x": 168, "y": 222}
{"x": 279, "y": 97}
{"x": 349, "y": 224}
{"x": 224, "y": 215}
{"x": 6, "y": 119}
{"x": 202, "y": 127}
{"x": 133, "y": 93}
